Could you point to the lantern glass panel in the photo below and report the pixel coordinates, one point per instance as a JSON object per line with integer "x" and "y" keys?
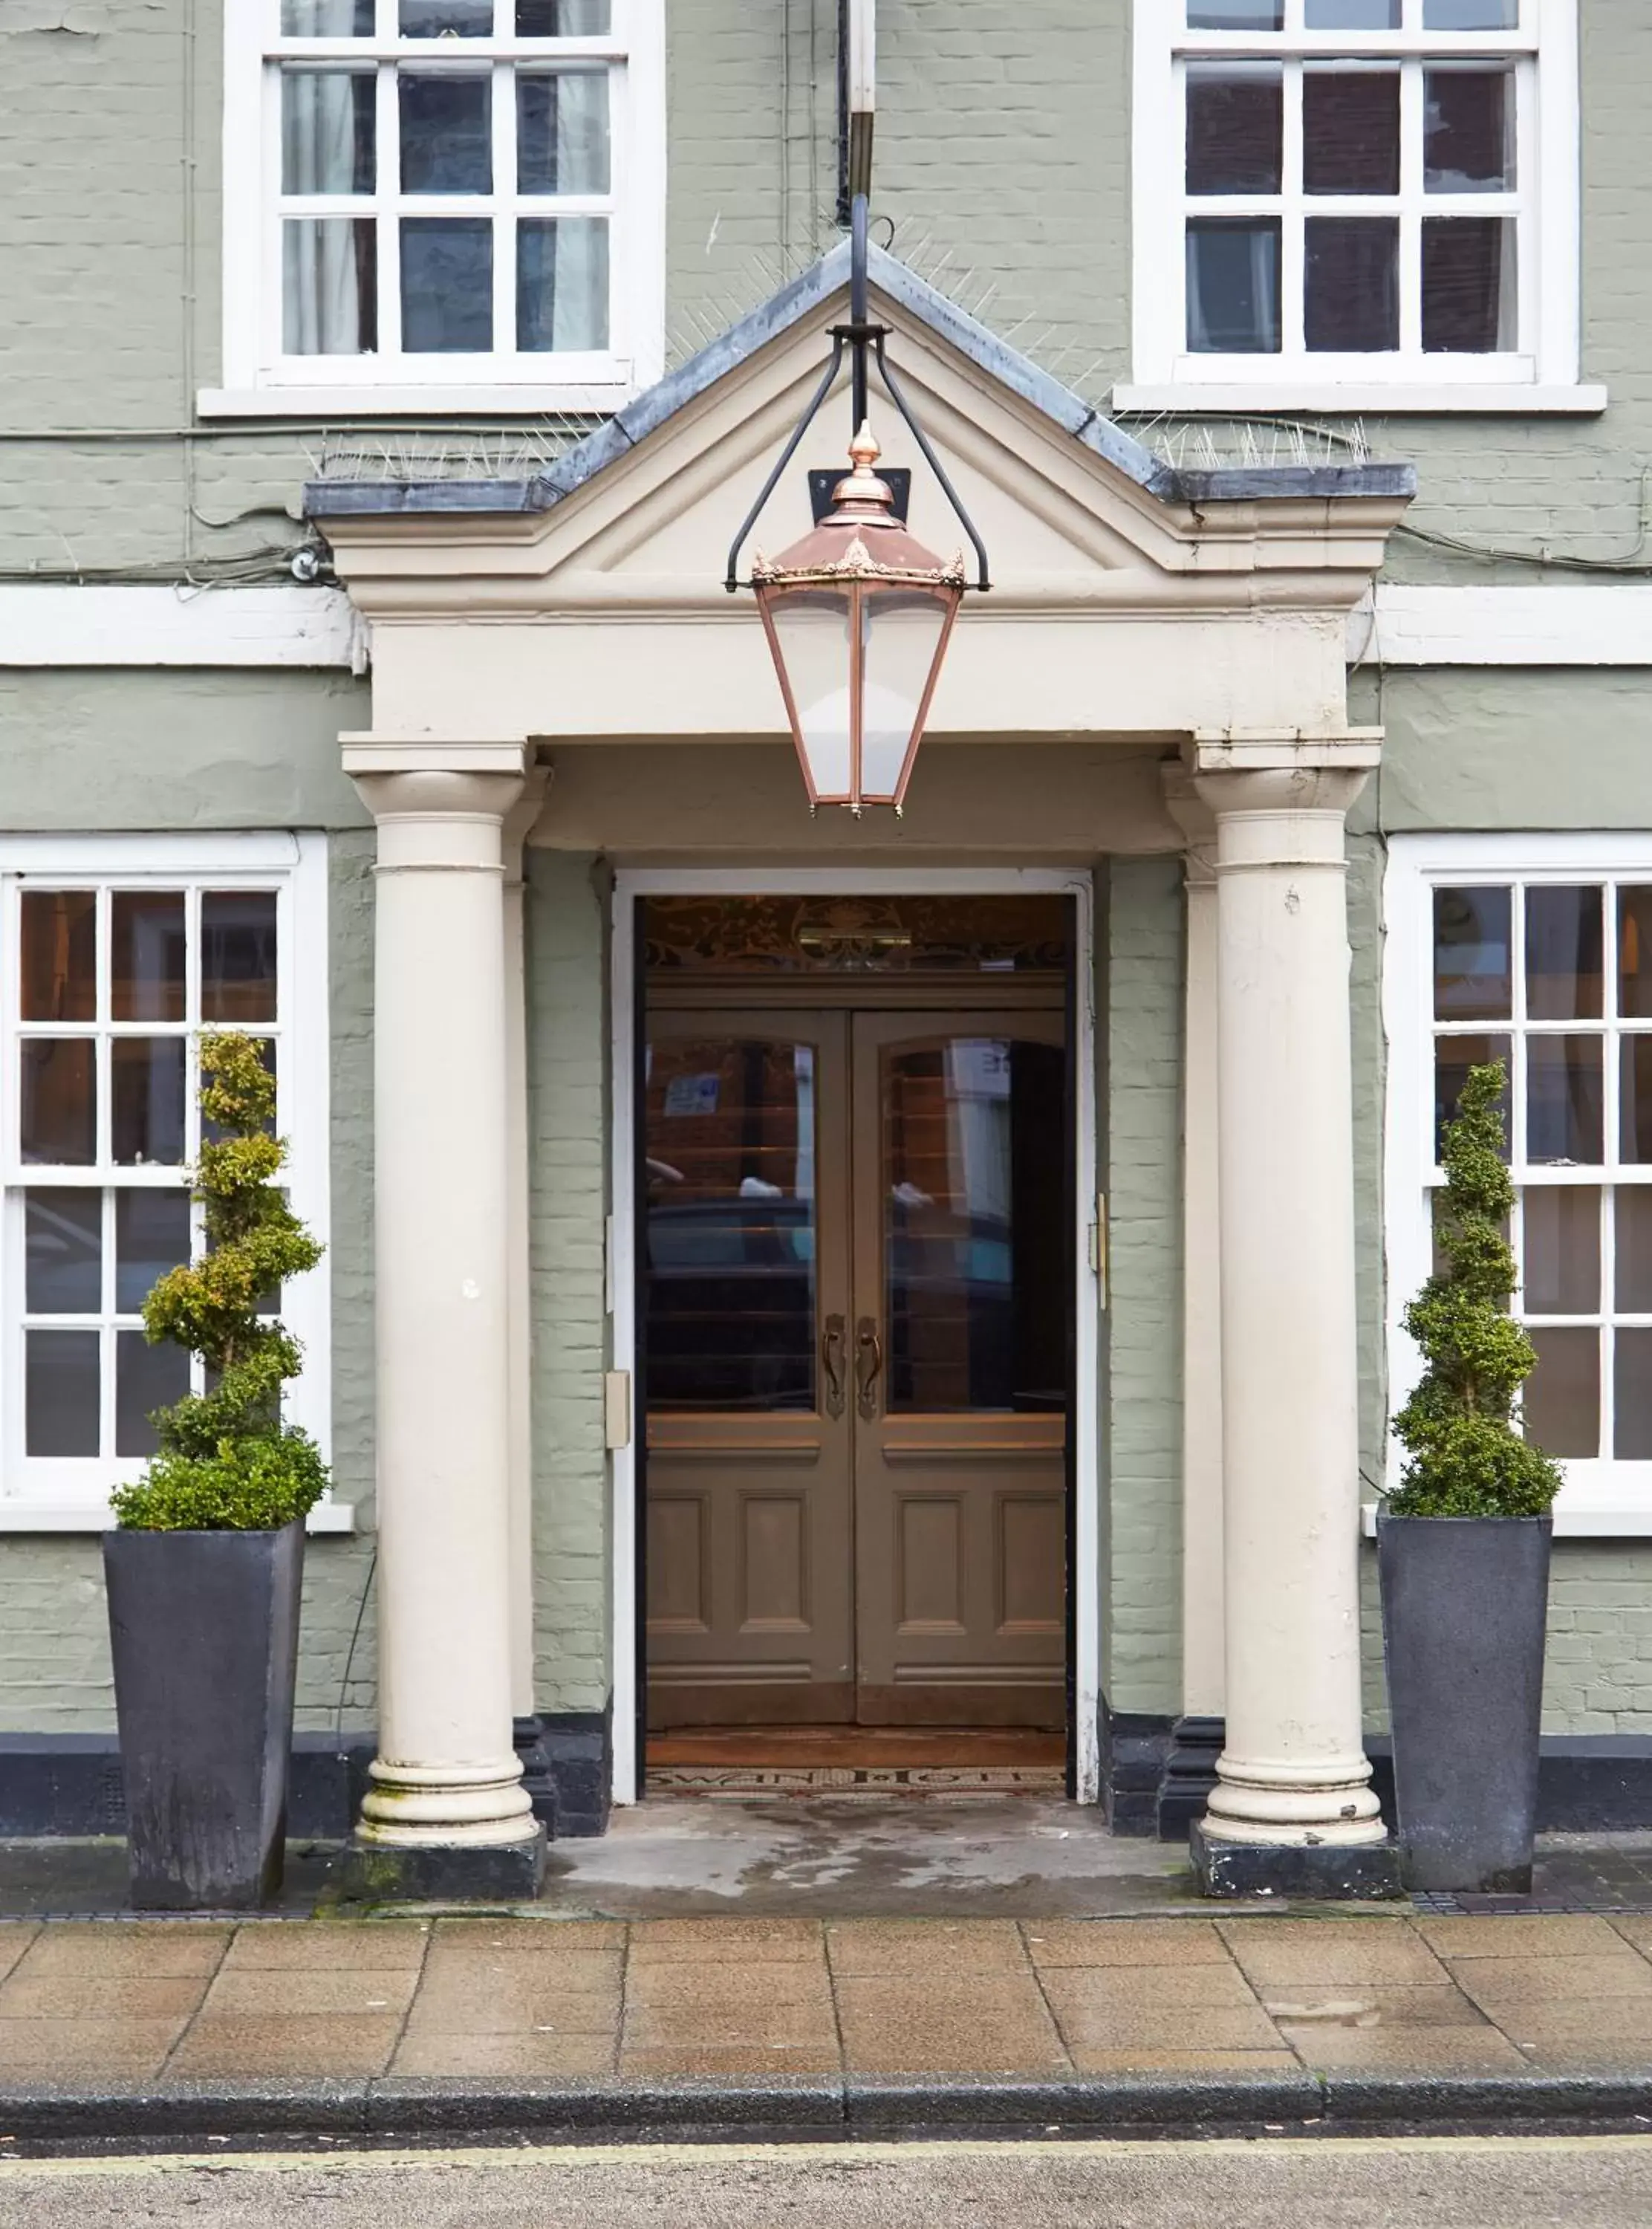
{"x": 900, "y": 632}
{"x": 811, "y": 628}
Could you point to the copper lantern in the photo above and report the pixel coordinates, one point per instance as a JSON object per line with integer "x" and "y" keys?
{"x": 857, "y": 615}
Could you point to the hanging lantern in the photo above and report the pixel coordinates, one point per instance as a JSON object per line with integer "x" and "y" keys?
{"x": 857, "y": 615}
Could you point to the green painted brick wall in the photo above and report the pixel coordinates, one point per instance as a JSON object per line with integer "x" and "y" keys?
{"x": 566, "y": 907}
{"x": 1142, "y": 1615}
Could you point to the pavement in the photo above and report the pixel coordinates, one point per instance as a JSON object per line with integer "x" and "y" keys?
{"x": 137, "y": 2029}
{"x": 1514, "y": 2182}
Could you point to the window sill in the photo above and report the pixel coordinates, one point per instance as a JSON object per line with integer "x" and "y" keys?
{"x": 1373, "y": 397}
{"x": 594, "y": 398}
{"x": 1588, "y": 1522}
{"x": 23, "y": 1516}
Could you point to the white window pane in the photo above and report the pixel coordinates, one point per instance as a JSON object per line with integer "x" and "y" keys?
{"x": 326, "y": 131}
{"x": 562, "y": 283}
{"x": 1632, "y": 1205}
{"x": 1350, "y": 130}
{"x": 1473, "y": 978}
{"x": 1564, "y": 1100}
{"x": 1453, "y": 1057}
{"x": 1560, "y": 1250}
{"x": 1233, "y": 285}
{"x": 238, "y": 955}
{"x": 1352, "y": 15}
{"x": 1469, "y": 130}
{"x": 1235, "y": 15}
{"x": 60, "y": 956}
{"x": 563, "y": 19}
{"x": 59, "y": 1117}
{"x": 447, "y": 285}
{"x": 152, "y": 1237}
{"x": 146, "y": 1090}
{"x": 562, "y": 135}
{"x": 146, "y": 1378}
{"x": 1469, "y": 285}
{"x": 1635, "y": 952}
{"x": 1470, "y": 15}
{"x": 329, "y": 285}
{"x": 327, "y": 19}
{"x": 146, "y": 960}
{"x": 60, "y": 1393}
{"x": 1351, "y": 274}
{"x": 445, "y": 19}
{"x": 1635, "y": 1100}
{"x": 1562, "y": 1396}
{"x": 63, "y": 1251}
{"x": 1235, "y": 127}
{"x": 1632, "y": 1375}
{"x": 446, "y": 134}
{"x": 1564, "y": 962}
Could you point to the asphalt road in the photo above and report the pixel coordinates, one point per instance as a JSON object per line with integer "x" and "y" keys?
{"x": 1514, "y": 2182}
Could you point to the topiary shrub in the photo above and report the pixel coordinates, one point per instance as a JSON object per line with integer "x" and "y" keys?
{"x": 1466, "y": 1458}
{"x": 227, "y": 1463}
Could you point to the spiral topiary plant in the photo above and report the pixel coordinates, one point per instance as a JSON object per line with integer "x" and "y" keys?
{"x": 227, "y": 1463}
{"x": 1466, "y": 1458}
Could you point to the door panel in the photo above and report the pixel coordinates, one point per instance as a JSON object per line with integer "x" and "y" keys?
{"x": 960, "y": 1307}
{"x": 749, "y": 1516}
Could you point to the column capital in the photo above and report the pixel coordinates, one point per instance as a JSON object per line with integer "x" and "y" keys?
{"x": 1252, "y": 772}
{"x": 523, "y": 816}
{"x": 416, "y": 777}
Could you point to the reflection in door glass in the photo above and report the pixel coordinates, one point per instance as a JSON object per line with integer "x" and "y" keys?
{"x": 974, "y": 1252}
{"x": 730, "y": 1147}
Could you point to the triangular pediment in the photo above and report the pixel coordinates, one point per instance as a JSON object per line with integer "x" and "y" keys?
{"x": 1075, "y": 514}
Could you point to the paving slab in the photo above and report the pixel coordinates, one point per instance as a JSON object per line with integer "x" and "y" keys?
{"x": 683, "y": 2021}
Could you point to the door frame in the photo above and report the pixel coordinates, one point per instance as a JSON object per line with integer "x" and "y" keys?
{"x": 1084, "y": 1574}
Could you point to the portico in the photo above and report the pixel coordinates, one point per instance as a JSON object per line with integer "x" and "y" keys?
{"x": 1143, "y": 618}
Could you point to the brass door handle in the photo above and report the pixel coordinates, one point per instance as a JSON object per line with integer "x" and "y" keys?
{"x": 832, "y": 1342}
{"x": 869, "y": 1365}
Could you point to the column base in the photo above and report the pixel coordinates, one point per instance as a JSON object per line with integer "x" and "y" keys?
{"x": 1327, "y": 1872}
{"x": 444, "y": 1873}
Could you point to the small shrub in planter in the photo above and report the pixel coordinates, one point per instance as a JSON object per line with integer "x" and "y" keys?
{"x": 204, "y": 1572}
{"x": 1464, "y": 1544}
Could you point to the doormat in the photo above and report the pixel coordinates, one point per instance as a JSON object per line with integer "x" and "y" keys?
{"x": 870, "y": 1780}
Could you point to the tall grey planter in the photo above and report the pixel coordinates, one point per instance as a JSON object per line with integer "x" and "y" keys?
{"x": 1465, "y": 1608}
{"x": 203, "y": 1628}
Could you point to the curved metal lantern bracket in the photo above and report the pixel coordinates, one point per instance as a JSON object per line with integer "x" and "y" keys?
{"x": 864, "y": 341}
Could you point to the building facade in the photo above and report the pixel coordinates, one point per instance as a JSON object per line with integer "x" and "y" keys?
{"x": 837, "y": 1271}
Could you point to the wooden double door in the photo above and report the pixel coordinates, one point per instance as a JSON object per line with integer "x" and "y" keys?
{"x": 856, "y": 1297}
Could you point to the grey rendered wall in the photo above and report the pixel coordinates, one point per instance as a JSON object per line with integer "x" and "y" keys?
{"x": 107, "y": 751}
{"x": 1144, "y": 1023}
{"x": 567, "y": 1061}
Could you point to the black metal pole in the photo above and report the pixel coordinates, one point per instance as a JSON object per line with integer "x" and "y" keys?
{"x": 858, "y": 309}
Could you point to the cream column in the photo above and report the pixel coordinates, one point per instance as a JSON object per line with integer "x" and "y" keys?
{"x": 447, "y": 1793}
{"x": 1293, "y": 1805}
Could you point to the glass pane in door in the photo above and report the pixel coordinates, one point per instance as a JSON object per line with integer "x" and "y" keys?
{"x": 975, "y": 1267}
{"x": 730, "y": 1151}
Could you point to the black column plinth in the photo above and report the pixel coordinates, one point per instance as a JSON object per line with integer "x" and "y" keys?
{"x": 457, "y": 1872}
{"x": 1324, "y": 1871}
{"x": 1189, "y": 1776}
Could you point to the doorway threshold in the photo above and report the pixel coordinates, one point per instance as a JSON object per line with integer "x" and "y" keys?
{"x": 731, "y": 1761}
{"x": 982, "y": 1856}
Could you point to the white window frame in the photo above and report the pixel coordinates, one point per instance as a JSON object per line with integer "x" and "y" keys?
{"x": 71, "y": 1494}
{"x": 1602, "y": 1497}
{"x": 1541, "y": 375}
{"x": 259, "y": 380}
